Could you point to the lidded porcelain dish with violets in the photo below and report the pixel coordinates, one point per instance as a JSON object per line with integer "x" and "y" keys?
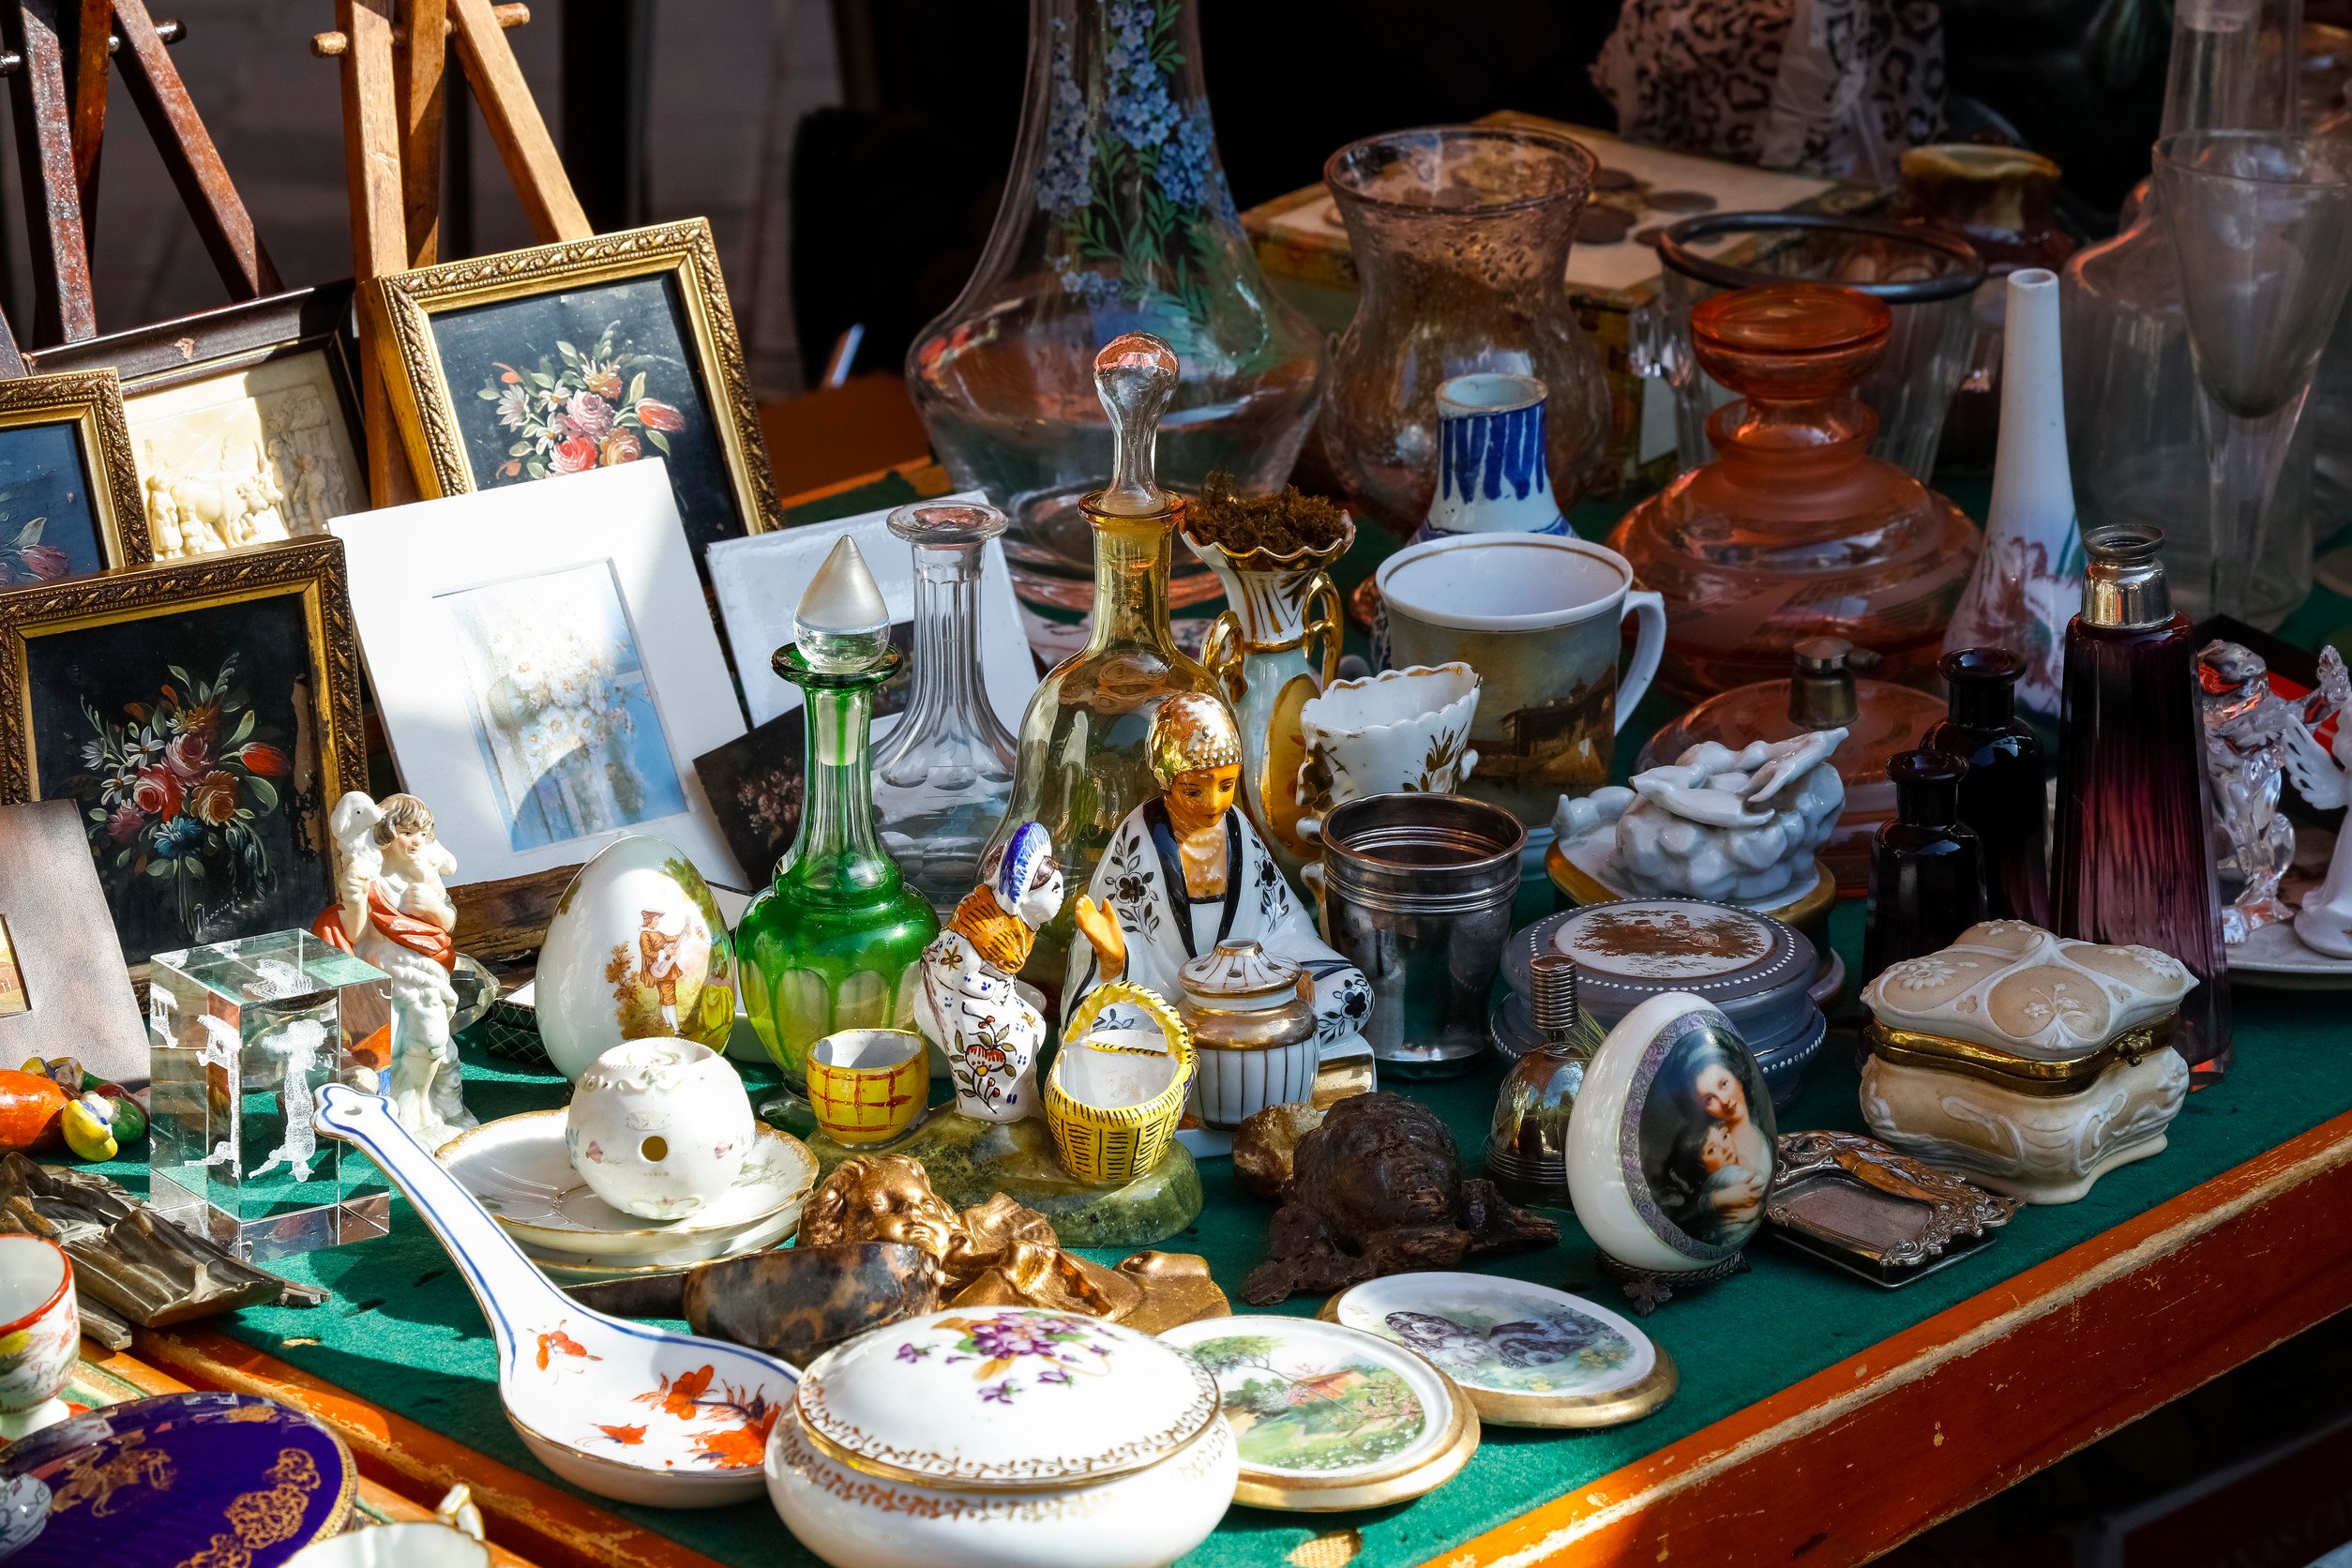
{"x": 1002, "y": 1435}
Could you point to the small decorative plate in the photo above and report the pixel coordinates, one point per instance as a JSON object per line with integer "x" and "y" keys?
{"x": 1330, "y": 1417}
{"x": 517, "y": 1168}
{"x": 2274, "y": 959}
{"x": 1013, "y": 1398}
{"x": 218, "y": 1478}
{"x": 1527, "y": 1355}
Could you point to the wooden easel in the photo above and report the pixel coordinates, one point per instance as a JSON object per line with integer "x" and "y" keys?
{"x": 394, "y": 55}
{"x": 57, "y": 52}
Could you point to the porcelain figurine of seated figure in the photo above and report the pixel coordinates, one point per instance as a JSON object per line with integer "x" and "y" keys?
{"x": 1188, "y": 870}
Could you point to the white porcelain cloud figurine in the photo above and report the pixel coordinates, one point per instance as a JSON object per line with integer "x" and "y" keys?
{"x": 1734, "y": 827}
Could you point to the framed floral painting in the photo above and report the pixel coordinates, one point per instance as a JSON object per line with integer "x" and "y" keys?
{"x": 201, "y": 716}
{"x": 245, "y": 420}
{"x": 68, "y": 491}
{"x": 591, "y": 353}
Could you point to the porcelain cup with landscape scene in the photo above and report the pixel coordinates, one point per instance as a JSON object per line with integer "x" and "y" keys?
{"x": 1538, "y": 617}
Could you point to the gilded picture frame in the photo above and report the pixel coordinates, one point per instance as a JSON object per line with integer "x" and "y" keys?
{"x": 68, "y": 421}
{"x": 263, "y": 390}
{"x": 507, "y": 368}
{"x": 204, "y": 717}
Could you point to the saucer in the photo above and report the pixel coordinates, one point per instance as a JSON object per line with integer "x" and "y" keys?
{"x": 2276, "y": 959}
{"x": 517, "y": 1169}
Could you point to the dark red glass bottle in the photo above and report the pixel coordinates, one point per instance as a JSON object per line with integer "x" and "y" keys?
{"x": 2002, "y": 797}
{"x": 1927, "y": 869}
{"x": 2133, "y": 863}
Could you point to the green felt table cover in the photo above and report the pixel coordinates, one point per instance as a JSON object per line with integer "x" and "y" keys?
{"x": 403, "y": 1332}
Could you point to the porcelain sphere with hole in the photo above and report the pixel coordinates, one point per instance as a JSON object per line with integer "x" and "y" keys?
{"x": 660, "y": 1127}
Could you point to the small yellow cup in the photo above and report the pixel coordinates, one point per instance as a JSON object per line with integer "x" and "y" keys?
{"x": 868, "y": 1085}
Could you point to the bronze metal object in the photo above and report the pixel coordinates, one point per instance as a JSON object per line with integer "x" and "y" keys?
{"x": 1875, "y": 1211}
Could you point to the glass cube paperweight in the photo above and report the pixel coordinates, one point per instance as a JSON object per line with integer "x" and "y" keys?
{"x": 241, "y": 1036}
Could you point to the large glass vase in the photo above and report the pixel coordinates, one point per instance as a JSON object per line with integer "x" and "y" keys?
{"x": 1460, "y": 237}
{"x": 1116, "y": 218}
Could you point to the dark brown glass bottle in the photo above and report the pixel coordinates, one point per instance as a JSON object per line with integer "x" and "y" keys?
{"x": 2133, "y": 863}
{"x": 2002, "y": 797}
{"x": 1927, "y": 871}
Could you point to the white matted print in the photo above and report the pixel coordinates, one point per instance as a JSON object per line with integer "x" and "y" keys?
{"x": 545, "y": 667}
{"x": 245, "y": 456}
{"x": 759, "y": 581}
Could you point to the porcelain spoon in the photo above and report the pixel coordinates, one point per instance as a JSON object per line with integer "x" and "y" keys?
{"x": 620, "y": 1409}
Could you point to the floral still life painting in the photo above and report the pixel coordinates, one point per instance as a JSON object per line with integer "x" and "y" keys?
{"x": 1289, "y": 1414}
{"x": 594, "y": 377}
{"x": 49, "y": 529}
{"x": 186, "y": 740}
{"x": 562, "y": 712}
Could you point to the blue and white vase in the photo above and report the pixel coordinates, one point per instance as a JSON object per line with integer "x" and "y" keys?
{"x": 1491, "y": 472}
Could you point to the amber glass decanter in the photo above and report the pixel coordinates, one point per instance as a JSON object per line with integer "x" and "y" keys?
{"x": 1082, "y": 764}
{"x": 1795, "y": 531}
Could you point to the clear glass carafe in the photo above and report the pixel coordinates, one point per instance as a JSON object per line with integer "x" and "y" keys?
{"x": 1460, "y": 237}
{"x": 1795, "y": 531}
{"x": 2132, "y": 396}
{"x": 1116, "y": 218}
{"x": 943, "y": 775}
{"x": 1082, "y": 763}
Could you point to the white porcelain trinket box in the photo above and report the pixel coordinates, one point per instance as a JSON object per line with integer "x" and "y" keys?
{"x": 1003, "y": 1438}
{"x": 2033, "y": 1064}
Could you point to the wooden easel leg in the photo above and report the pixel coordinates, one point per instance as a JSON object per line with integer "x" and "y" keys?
{"x": 379, "y": 244}
{"x": 86, "y": 47}
{"x": 516, "y": 125}
{"x": 61, "y": 310}
{"x": 188, "y": 151}
{"x": 420, "y": 54}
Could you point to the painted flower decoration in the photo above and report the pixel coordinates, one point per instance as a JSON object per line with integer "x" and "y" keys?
{"x": 24, "y": 559}
{"x": 176, "y": 790}
{"x": 580, "y": 411}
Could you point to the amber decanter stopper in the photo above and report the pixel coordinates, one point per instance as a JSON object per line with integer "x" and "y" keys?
{"x": 1795, "y": 530}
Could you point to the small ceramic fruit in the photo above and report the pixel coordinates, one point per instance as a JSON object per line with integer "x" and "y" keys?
{"x": 999, "y": 1437}
{"x": 40, "y": 1327}
{"x": 32, "y": 1109}
{"x": 659, "y": 1128}
{"x": 89, "y": 1127}
{"x": 638, "y": 949}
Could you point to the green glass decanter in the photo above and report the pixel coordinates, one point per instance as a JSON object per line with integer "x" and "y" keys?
{"x": 833, "y": 943}
{"x": 1082, "y": 765}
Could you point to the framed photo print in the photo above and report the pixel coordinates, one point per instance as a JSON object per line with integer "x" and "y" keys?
{"x": 245, "y": 421}
{"x": 203, "y": 717}
{"x": 591, "y": 353}
{"x": 63, "y": 992}
{"x": 545, "y": 668}
{"x": 68, "y": 493}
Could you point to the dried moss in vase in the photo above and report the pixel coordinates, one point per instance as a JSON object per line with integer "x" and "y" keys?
{"x": 1278, "y": 524}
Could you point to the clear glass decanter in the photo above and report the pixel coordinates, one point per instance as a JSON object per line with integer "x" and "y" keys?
{"x": 943, "y": 775}
{"x": 1082, "y": 764}
{"x": 833, "y": 943}
{"x": 1116, "y": 218}
{"x": 2131, "y": 397}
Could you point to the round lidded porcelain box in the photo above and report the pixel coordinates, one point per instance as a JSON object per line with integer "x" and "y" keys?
{"x": 1762, "y": 973}
{"x": 1001, "y": 1435}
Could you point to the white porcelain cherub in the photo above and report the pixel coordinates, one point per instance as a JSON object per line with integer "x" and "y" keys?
{"x": 2322, "y": 775}
{"x": 393, "y": 911}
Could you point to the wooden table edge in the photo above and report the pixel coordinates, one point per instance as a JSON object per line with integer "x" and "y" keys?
{"x": 535, "y": 1519}
{"x": 1866, "y": 1454}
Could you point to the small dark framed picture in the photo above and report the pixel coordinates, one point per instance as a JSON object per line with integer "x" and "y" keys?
{"x": 68, "y": 490}
{"x": 591, "y": 354}
{"x": 202, "y": 717}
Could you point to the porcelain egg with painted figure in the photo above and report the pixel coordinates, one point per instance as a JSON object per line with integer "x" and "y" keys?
{"x": 638, "y": 950}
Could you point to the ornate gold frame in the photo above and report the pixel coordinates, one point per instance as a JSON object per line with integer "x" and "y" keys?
{"x": 400, "y": 310}
{"x": 312, "y": 569}
{"x": 93, "y": 401}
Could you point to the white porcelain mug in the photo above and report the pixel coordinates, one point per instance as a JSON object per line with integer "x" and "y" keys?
{"x": 40, "y": 1329}
{"x": 1538, "y": 616}
{"x": 1402, "y": 730}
